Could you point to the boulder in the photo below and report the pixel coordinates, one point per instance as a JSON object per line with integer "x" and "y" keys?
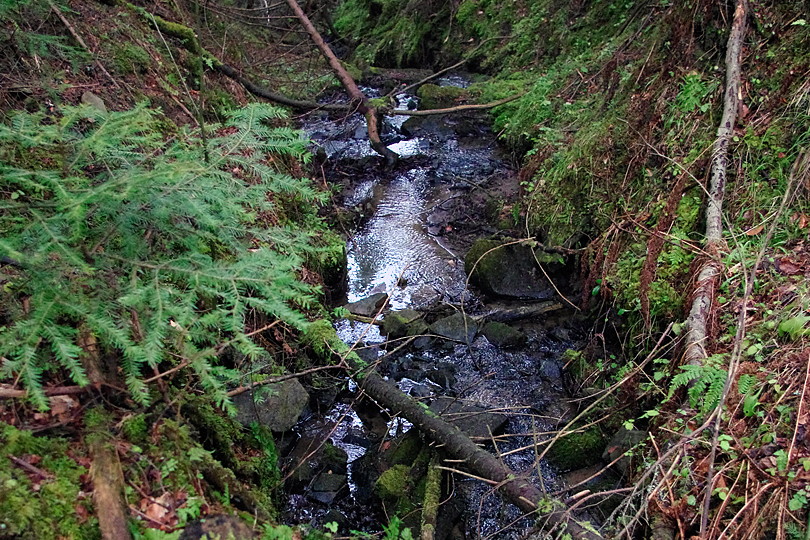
{"x": 507, "y": 270}
{"x": 503, "y": 336}
{"x": 405, "y": 322}
{"x": 458, "y": 327}
{"x": 217, "y": 526}
{"x": 368, "y": 306}
{"x": 622, "y": 441}
{"x": 433, "y": 96}
{"x": 276, "y": 406}
{"x": 577, "y": 450}
{"x": 476, "y": 422}
{"x": 326, "y": 487}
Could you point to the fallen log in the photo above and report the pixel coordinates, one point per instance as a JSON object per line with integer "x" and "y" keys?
{"x": 519, "y": 490}
{"x": 108, "y": 483}
{"x": 710, "y": 270}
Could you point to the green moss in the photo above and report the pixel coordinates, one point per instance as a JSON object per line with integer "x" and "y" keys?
{"x": 393, "y": 483}
{"x": 38, "y": 508}
{"x": 135, "y": 428}
{"x": 129, "y": 58}
{"x": 577, "y": 450}
{"x": 439, "y": 97}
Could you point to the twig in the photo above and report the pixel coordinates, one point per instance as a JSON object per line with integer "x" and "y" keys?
{"x": 30, "y": 468}
{"x": 281, "y": 378}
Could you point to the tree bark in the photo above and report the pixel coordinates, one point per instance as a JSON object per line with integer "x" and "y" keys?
{"x": 357, "y": 97}
{"x": 706, "y": 284}
{"x": 520, "y": 491}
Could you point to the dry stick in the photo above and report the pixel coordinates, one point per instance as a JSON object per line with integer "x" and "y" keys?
{"x": 458, "y": 108}
{"x": 30, "y": 468}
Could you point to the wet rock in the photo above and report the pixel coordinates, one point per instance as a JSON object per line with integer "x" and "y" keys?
{"x": 276, "y": 406}
{"x": 506, "y": 270}
{"x": 326, "y": 487}
{"x": 474, "y": 421}
{"x": 368, "y": 306}
{"x": 458, "y": 327}
{"x": 310, "y": 457}
{"x": 577, "y": 450}
{"x": 503, "y": 336}
{"x": 217, "y": 526}
{"x": 444, "y": 375}
{"x": 402, "y": 323}
{"x": 622, "y": 441}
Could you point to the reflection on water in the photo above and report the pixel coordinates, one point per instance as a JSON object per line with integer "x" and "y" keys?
{"x": 393, "y": 249}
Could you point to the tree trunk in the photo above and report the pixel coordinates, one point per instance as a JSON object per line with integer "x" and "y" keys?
{"x": 355, "y": 94}
{"x": 706, "y": 285}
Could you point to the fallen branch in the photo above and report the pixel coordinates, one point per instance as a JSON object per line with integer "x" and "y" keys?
{"x": 355, "y": 94}
{"x": 458, "y": 108}
{"x": 523, "y": 311}
{"x": 7, "y": 392}
{"x": 280, "y": 378}
{"x": 706, "y": 285}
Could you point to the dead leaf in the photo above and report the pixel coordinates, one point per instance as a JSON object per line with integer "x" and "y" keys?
{"x": 158, "y": 509}
{"x": 62, "y": 404}
{"x": 753, "y": 231}
{"x": 789, "y": 268}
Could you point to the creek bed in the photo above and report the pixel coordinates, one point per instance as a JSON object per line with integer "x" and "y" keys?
{"x": 416, "y": 221}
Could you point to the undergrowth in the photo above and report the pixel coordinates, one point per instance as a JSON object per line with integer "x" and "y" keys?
{"x": 150, "y": 251}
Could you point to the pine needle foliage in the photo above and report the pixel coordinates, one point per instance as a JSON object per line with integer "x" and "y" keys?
{"x": 158, "y": 255}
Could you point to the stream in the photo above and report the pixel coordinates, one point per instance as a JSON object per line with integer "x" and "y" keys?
{"x": 413, "y": 225}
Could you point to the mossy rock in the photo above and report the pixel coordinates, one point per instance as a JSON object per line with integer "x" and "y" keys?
{"x": 506, "y": 269}
{"x": 392, "y": 485}
{"x": 398, "y": 324}
{"x": 503, "y": 336}
{"x": 458, "y": 327}
{"x": 439, "y": 97}
{"x": 404, "y": 449}
{"x": 577, "y": 450}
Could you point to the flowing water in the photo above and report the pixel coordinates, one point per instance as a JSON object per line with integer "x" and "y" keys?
{"x": 417, "y": 221}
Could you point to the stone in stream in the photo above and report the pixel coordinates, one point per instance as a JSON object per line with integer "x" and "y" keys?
{"x": 276, "y": 406}
{"x": 503, "y": 336}
{"x": 507, "y": 270}
{"x": 401, "y": 323}
{"x": 326, "y": 487}
{"x": 476, "y": 422}
{"x": 458, "y": 327}
{"x": 368, "y": 306}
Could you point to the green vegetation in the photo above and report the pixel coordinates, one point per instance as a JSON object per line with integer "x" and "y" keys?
{"x": 146, "y": 247}
{"x": 34, "y": 506}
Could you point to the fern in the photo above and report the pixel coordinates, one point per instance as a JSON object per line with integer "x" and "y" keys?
{"x": 704, "y": 383}
{"x": 158, "y": 254}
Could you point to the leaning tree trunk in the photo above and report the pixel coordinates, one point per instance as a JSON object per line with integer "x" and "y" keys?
{"x": 355, "y": 94}
{"x": 706, "y": 285}
{"x": 514, "y": 487}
